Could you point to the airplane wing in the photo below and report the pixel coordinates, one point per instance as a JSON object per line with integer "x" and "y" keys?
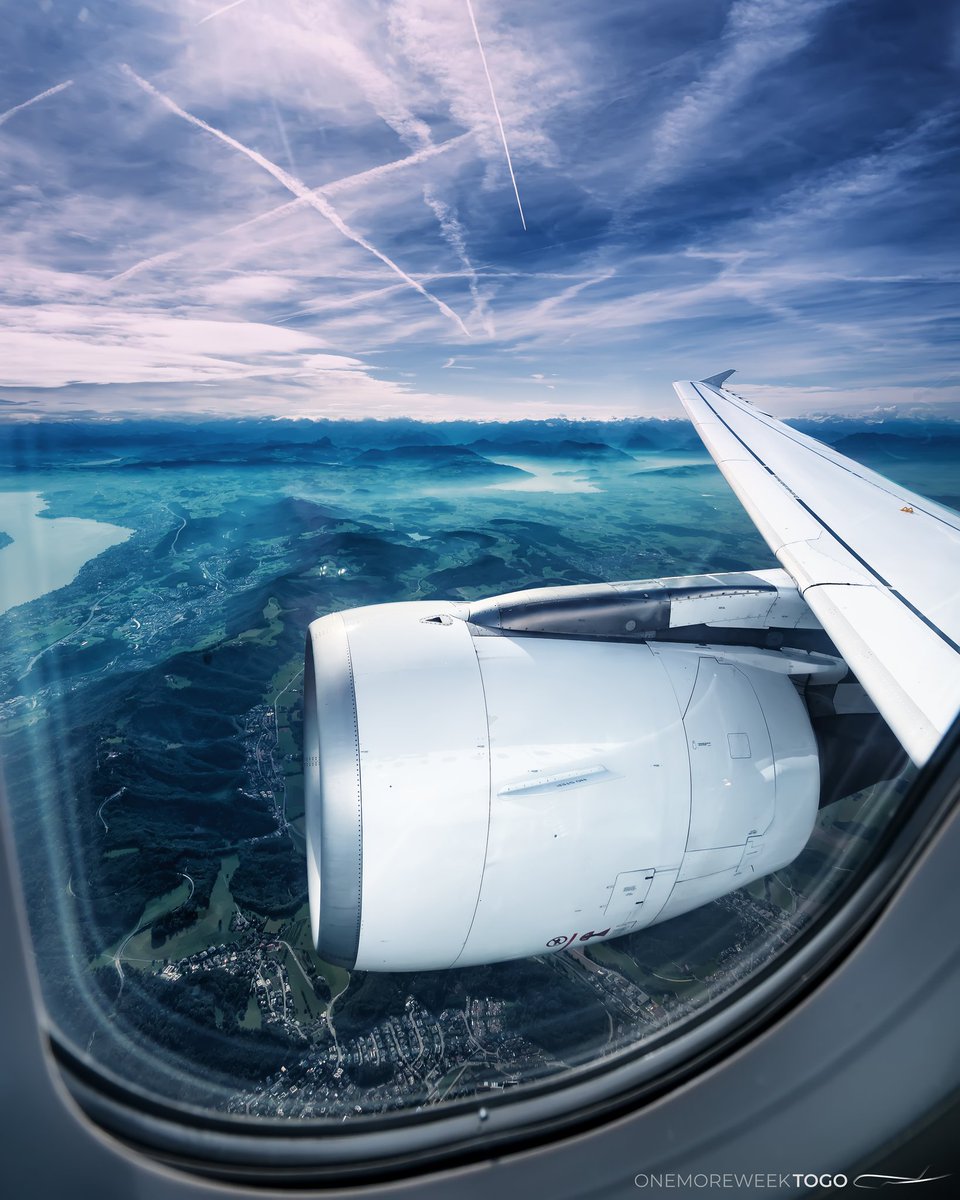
{"x": 878, "y": 564}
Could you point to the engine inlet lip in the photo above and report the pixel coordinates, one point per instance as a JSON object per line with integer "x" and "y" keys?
{"x": 332, "y": 792}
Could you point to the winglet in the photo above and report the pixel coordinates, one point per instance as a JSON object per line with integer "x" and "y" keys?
{"x": 719, "y": 380}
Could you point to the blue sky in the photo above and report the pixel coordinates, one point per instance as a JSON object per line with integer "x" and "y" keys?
{"x": 305, "y": 207}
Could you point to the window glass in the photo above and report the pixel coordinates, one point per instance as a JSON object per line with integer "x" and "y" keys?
{"x": 152, "y": 737}
{"x": 319, "y": 308}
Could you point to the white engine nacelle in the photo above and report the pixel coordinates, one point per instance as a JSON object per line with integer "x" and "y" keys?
{"x": 474, "y": 795}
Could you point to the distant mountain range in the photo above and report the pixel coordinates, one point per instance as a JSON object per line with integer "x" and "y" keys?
{"x": 463, "y": 445}
{"x": 459, "y": 459}
{"x": 531, "y": 448}
{"x": 897, "y": 444}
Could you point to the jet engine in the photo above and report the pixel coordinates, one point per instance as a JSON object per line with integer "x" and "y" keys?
{"x": 478, "y": 792}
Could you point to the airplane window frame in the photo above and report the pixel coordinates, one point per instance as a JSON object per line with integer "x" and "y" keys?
{"x": 397, "y": 1146}
{"x": 82, "y": 211}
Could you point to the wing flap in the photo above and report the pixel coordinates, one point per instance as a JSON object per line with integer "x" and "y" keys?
{"x": 878, "y": 564}
{"x": 904, "y": 680}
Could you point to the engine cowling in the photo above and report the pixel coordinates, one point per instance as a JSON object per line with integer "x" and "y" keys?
{"x": 474, "y": 795}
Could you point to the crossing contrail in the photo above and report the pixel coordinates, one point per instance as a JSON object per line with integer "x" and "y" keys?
{"x": 300, "y": 190}
{"x": 496, "y": 109}
{"x": 4, "y": 117}
{"x": 345, "y": 183}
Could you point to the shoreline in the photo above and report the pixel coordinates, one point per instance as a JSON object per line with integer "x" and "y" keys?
{"x": 46, "y": 553}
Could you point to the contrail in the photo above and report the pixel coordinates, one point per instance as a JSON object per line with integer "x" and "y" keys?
{"x": 496, "y": 109}
{"x": 452, "y": 230}
{"x": 419, "y": 156}
{"x": 328, "y": 189}
{"x": 220, "y": 11}
{"x": 4, "y": 117}
{"x": 299, "y": 189}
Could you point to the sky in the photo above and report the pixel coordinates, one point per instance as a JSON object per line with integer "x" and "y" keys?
{"x": 477, "y": 209}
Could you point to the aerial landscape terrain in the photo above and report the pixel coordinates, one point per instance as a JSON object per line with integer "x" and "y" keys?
{"x": 151, "y": 731}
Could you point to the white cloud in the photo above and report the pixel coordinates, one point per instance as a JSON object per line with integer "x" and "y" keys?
{"x": 244, "y": 289}
{"x": 846, "y": 191}
{"x": 895, "y": 398}
{"x": 759, "y": 35}
{"x": 55, "y": 345}
{"x": 539, "y": 377}
{"x": 533, "y": 77}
